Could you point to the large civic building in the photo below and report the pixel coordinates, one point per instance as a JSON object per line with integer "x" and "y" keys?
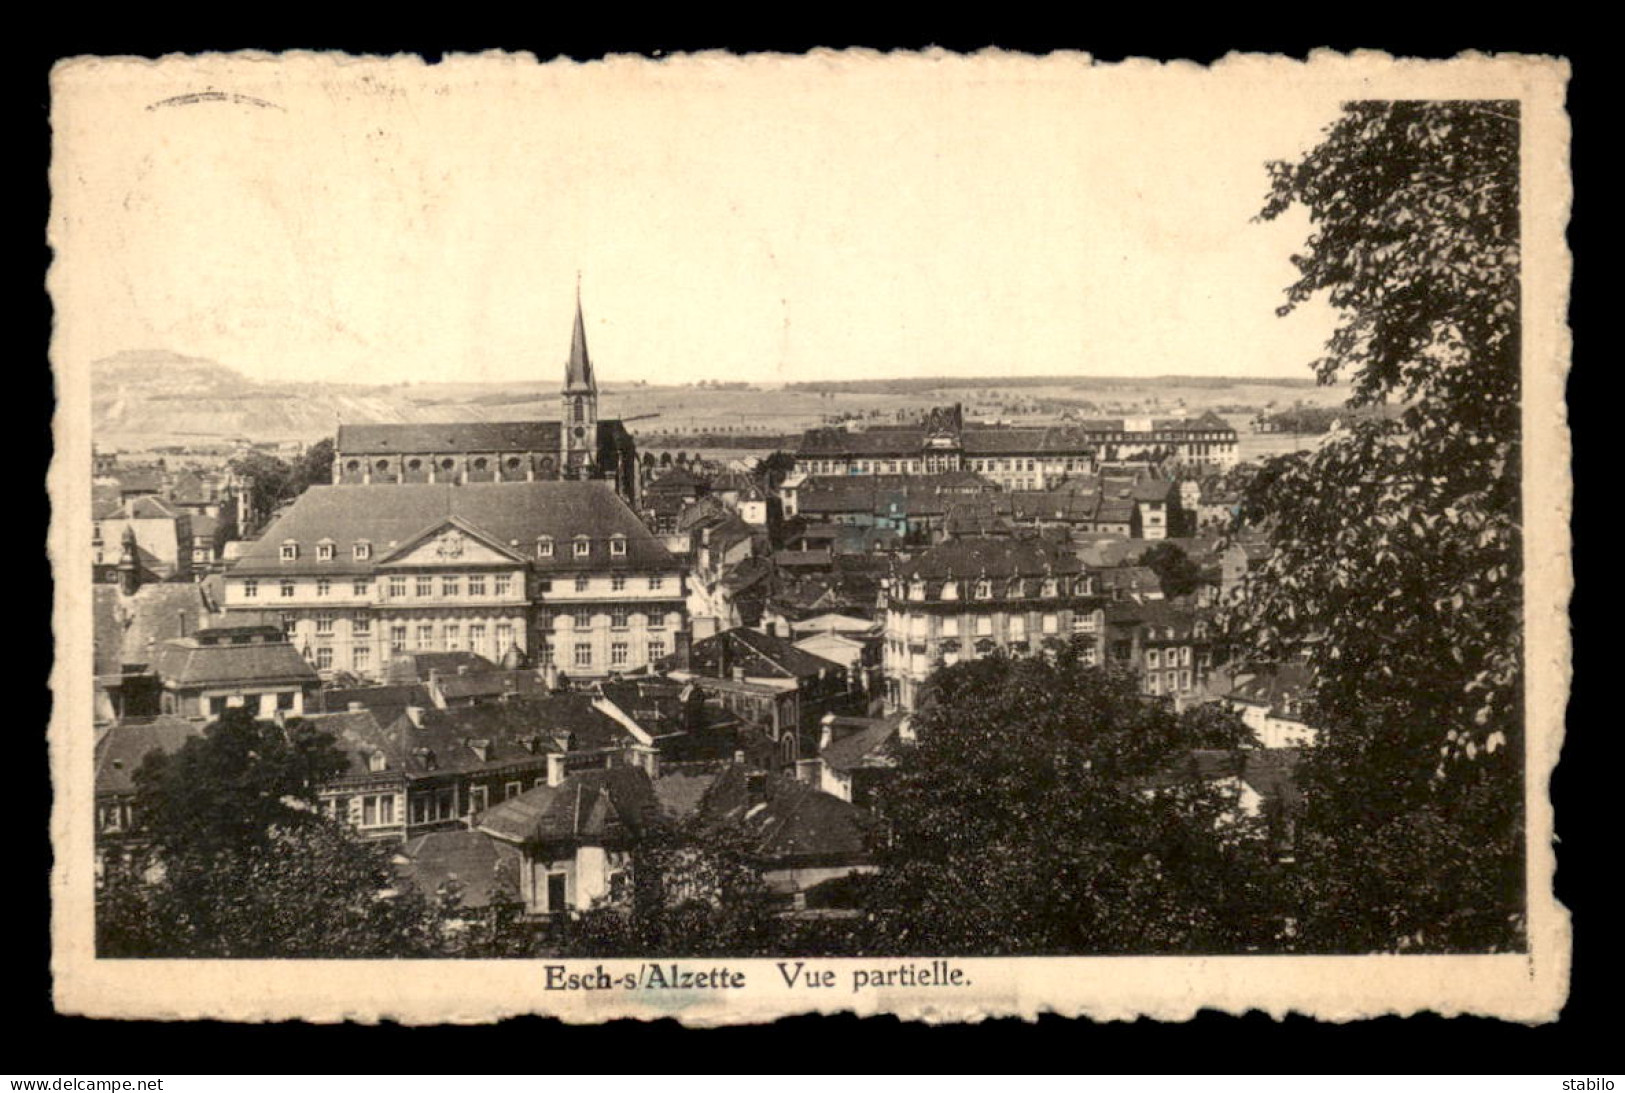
{"x": 579, "y": 446}
{"x": 517, "y": 541}
{"x": 525, "y": 573}
{"x": 1022, "y": 457}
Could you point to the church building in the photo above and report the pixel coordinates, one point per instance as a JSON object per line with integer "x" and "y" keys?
{"x": 579, "y": 446}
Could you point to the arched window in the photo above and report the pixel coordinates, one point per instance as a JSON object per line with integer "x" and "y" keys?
{"x": 513, "y": 463}
{"x": 353, "y": 465}
{"x": 579, "y": 411}
{"x": 414, "y": 464}
{"x": 447, "y": 464}
{"x": 480, "y": 464}
{"x": 382, "y": 465}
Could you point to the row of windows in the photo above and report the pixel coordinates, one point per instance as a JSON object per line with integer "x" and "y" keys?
{"x": 580, "y": 547}
{"x": 953, "y": 652}
{"x": 450, "y": 636}
{"x": 479, "y": 463}
{"x": 1168, "y": 682}
{"x": 1016, "y": 625}
{"x": 1014, "y": 588}
{"x": 1154, "y": 657}
{"x": 372, "y": 810}
{"x": 620, "y": 654}
{"x": 620, "y": 618}
{"x": 425, "y": 587}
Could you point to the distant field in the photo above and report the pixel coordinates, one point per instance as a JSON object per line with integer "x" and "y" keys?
{"x": 139, "y": 404}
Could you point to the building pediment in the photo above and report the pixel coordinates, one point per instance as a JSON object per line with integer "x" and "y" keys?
{"x": 453, "y": 543}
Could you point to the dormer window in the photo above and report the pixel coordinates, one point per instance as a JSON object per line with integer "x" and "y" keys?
{"x": 984, "y": 590}
{"x": 583, "y": 546}
{"x": 377, "y": 761}
{"x": 290, "y": 551}
{"x": 361, "y": 551}
{"x": 916, "y": 590}
{"x": 617, "y": 546}
{"x": 950, "y": 590}
{"x": 324, "y": 550}
{"x": 544, "y": 547}
{"x": 1051, "y": 587}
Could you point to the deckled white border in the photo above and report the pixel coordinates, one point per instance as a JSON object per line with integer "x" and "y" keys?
{"x": 1527, "y": 988}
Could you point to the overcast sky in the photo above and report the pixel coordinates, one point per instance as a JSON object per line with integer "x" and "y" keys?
{"x": 760, "y": 220}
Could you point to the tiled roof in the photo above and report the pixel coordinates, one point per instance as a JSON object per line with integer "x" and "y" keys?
{"x": 130, "y": 627}
{"x": 1129, "y": 578}
{"x": 506, "y": 513}
{"x": 1270, "y": 772}
{"x": 994, "y": 557}
{"x": 589, "y": 806}
{"x": 120, "y": 748}
{"x": 140, "y": 479}
{"x": 145, "y": 508}
{"x": 480, "y": 865}
{"x": 762, "y": 656}
{"x": 386, "y": 701}
{"x": 818, "y": 558}
{"x": 461, "y": 436}
{"x": 105, "y": 500}
{"x": 185, "y": 662}
{"x": 490, "y": 684}
{"x": 1280, "y": 687}
{"x": 863, "y": 743}
{"x": 410, "y": 667}
{"x": 676, "y": 480}
{"x": 797, "y": 824}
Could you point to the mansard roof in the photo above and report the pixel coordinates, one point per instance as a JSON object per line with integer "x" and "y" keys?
{"x": 507, "y": 512}
{"x": 993, "y": 557}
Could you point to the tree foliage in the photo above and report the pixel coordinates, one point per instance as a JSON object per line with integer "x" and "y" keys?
{"x": 690, "y": 888}
{"x": 1397, "y": 560}
{"x": 245, "y": 866}
{"x": 276, "y": 481}
{"x": 1035, "y": 815}
{"x": 226, "y": 789}
{"x": 1179, "y": 575}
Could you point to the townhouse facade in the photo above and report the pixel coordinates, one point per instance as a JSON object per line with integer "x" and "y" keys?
{"x": 965, "y": 598}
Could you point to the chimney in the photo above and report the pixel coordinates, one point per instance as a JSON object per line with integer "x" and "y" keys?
{"x": 826, "y": 731}
{"x": 550, "y": 677}
{"x": 738, "y": 674}
{"x": 755, "y": 787}
{"x": 555, "y": 768}
{"x": 355, "y": 707}
{"x": 415, "y": 715}
{"x": 180, "y": 619}
{"x": 462, "y": 669}
{"x": 810, "y": 772}
{"x": 739, "y": 757}
{"x": 905, "y": 730}
{"x": 685, "y": 649}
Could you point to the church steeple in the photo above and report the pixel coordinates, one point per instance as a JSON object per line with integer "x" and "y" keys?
{"x": 578, "y": 376}
{"x": 579, "y": 430}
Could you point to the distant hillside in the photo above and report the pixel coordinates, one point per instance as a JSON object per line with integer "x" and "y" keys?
{"x": 1105, "y": 383}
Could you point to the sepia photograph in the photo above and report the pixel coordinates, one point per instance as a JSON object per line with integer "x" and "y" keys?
{"x": 733, "y": 536}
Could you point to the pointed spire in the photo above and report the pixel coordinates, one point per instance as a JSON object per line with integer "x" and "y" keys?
{"x": 578, "y": 377}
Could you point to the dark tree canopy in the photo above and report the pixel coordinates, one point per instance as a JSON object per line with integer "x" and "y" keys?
{"x": 1179, "y": 575}
{"x": 224, "y": 790}
{"x": 247, "y": 867}
{"x": 1397, "y": 559}
{"x": 1030, "y": 817}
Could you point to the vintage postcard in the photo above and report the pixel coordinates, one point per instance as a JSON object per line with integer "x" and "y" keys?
{"x": 726, "y": 537}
